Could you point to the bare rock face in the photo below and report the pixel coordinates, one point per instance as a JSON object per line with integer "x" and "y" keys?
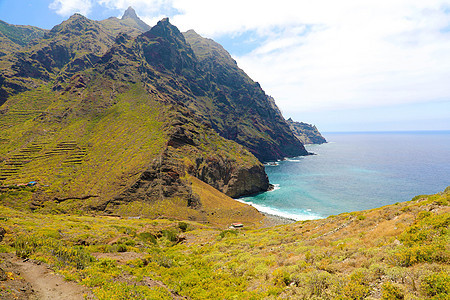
{"x": 233, "y": 180}
{"x": 160, "y": 181}
{"x": 247, "y": 181}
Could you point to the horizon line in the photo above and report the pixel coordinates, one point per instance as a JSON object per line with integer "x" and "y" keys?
{"x": 390, "y": 131}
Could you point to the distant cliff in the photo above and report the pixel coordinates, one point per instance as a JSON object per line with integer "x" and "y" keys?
{"x": 306, "y": 133}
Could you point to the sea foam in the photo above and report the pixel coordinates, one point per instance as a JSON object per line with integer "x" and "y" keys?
{"x": 294, "y": 215}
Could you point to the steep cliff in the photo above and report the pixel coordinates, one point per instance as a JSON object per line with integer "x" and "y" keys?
{"x": 306, "y": 133}
{"x": 236, "y": 106}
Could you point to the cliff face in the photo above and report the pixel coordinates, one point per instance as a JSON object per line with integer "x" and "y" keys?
{"x": 306, "y": 133}
{"x": 236, "y": 106}
{"x": 103, "y": 121}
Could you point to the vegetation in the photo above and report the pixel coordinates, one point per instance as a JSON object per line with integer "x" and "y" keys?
{"x": 117, "y": 125}
{"x": 399, "y": 251}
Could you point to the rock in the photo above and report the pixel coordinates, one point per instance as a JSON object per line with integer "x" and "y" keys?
{"x": 306, "y": 133}
{"x": 231, "y": 178}
{"x": 129, "y": 13}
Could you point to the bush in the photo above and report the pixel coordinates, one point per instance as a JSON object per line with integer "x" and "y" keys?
{"x": 357, "y": 286}
{"x": 437, "y": 285}
{"x": 147, "y": 237}
{"x": 75, "y": 256}
{"x": 228, "y": 232}
{"x": 390, "y": 291}
{"x": 281, "y": 278}
{"x": 170, "y": 235}
{"x": 25, "y": 246}
{"x": 183, "y": 226}
{"x": 424, "y": 241}
{"x": 121, "y": 248}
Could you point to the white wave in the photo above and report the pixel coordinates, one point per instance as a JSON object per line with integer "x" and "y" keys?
{"x": 276, "y": 186}
{"x": 283, "y": 214}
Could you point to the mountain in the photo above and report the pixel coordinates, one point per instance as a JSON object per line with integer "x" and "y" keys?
{"x": 129, "y": 24}
{"x": 156, "y": 123}
{"x": 306, "y": 133}
{"x": 236, "y": 106}
{"x": 14, "y": 37}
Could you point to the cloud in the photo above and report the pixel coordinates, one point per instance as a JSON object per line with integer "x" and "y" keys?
{"x": 322, "y": 54}
{"x": 68, "y": 7}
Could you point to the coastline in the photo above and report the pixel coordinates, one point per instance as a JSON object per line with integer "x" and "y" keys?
{"x": 271, "y": 220}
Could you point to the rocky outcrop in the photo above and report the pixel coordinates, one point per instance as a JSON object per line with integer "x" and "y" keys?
{"x": 131, "y": 16}
{"x": 223, "y": 171}
{"x": 306, "y": 133}
{"x": 231, "y": 179}
{"x": 160, "y": 181}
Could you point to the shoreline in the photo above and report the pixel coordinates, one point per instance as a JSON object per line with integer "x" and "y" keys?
{"x": 274, "y": 220}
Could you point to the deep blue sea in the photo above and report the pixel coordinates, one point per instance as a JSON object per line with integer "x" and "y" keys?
{"x": 356, "y": 171}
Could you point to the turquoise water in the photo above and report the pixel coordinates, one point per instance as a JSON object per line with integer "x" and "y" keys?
{"x": 357, "y": 171}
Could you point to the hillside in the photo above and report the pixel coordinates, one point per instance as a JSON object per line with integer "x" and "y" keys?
{"x": 399, "y": 251}
{"x": 15, "y": 37}
{"x": 106, "y": 117}
{"x": 306, "y": 133}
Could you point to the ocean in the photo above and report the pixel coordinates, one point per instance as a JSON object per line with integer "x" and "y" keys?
{"x": 356, "y": 171}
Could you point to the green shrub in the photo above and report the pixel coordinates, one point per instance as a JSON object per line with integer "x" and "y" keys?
{"x": 25, "y": 246}
{"x": 121, "y": 248}
{"x": 357, "y": 286}
{"x": 390, "y": 291}
{"x": 228, "y": 232}
{"x": 147, "y": 237}
{"x": 183, "y": 226}
{"x": 281, "y": 278}
{"x": 424, "y": 241}
{"x": 437, "y": 285}
{"x": 170, "y": 235}
{"x": 75, "y": 256}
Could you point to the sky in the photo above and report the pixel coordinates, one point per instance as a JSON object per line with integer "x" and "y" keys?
{"x": 346, "y": 65}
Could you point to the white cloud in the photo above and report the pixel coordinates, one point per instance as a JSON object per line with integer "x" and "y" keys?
{"x": 68, "y": 7}
{"x": 361, "y": 56}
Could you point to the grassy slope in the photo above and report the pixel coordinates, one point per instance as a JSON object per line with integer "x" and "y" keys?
{"x": 399, "y": 251}
{"x": 86, "y": 143}
{"x": 82, "y": 155}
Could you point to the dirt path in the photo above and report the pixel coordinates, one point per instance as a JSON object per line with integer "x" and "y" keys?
{"x": 35, "y": 281}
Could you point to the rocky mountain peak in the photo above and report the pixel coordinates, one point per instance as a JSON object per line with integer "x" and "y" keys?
{"x": 165, "y": 46}
{"x": 131, "y": 19}
{"x": 130, "y": 13}
{"x": 164, "y": 29}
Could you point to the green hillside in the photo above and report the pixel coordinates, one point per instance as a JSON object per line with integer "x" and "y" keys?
{"x": 399, "y": 251}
